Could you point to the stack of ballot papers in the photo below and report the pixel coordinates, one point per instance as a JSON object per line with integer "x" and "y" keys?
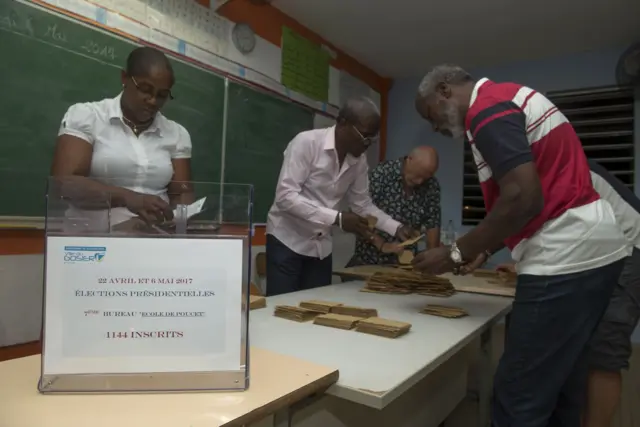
{"x": 399, "y": 281}
{"x": 339, "y": 321}
{"x": 507, "y": 278}
{"x": 383, "y": 327}
{"x": 319, "y": 306}
{"x": 444, "y": 311}
{"x": 349, "y": 310}
{"x": 497, "y": 277}
{"x": 298, "y": 314}
{"x": 483, "y": 272}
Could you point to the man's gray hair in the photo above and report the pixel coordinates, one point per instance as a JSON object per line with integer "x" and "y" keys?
{"x": 359, "y": 109}
{"x": 445, "y": 73}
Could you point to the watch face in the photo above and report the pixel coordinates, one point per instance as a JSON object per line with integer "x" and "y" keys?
{"x": 456, "y": 256}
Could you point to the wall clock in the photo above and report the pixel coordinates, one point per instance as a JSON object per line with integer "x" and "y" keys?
{"x": 243, "y": 37}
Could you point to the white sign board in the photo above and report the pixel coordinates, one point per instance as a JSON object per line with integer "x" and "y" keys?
{"x": 142, "y": 305}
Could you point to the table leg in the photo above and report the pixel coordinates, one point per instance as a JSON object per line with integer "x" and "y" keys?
{"x": 282, "y": 418}
{"x": 486, "y": 378}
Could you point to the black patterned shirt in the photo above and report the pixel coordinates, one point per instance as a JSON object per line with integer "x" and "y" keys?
{"x": 420, "y": 209}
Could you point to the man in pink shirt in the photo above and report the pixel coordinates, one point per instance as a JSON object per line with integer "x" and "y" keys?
{"x": 320, "y": 168}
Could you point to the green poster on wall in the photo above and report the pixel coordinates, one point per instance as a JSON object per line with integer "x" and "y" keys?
{"x": 305, "y": 66}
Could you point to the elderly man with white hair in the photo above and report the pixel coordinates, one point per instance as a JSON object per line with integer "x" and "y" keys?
{"x": 542, "y": 205}
{"x": 320, "y": 168}
{"x": 407, "y": 189}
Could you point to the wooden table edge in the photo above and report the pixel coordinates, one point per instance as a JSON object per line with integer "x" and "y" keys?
{"x": 316, "y": 387}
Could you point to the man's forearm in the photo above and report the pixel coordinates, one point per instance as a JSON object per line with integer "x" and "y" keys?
{"x": 497, "y": 248}
{"x": 511, "y": 212}
{"x": 306, "y": 209}
{"x": 385, "y": 222}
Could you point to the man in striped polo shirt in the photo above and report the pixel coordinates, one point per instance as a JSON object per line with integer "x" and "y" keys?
{"x": 610, "y": 347}
{"x": 541, "y": 204}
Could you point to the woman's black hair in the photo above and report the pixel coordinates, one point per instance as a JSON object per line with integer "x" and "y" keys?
{"x": 142, "y": 59}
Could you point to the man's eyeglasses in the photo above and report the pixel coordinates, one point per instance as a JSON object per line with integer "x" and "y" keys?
{"x": 366, "y": 140}
{"x": 151, "y": 92}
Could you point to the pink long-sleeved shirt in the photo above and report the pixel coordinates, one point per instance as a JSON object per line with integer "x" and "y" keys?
{"x": 310, "y": 186}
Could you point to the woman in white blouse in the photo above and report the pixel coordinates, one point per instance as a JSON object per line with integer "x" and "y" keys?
{"x": 125, "y": 147}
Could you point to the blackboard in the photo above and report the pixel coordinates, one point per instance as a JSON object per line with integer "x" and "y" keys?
{"x": 51, "y": 62}
{"x": 260, "y": 128}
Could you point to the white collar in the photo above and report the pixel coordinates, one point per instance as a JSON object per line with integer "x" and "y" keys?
{"x": 115, "y": 112}
{"x": 474, "y": 93}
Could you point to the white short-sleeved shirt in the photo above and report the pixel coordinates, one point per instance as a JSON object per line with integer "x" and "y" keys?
{"x": 141, "y": 164}
{"x": 623, "y": 201}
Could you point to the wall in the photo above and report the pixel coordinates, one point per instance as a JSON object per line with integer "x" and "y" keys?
{"x": 21, "y": 260}
{"x": 406, "y": 129}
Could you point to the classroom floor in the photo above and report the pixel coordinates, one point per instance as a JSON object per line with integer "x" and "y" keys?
{"x": 628, "y": 414}
{"x": 465, "y": 415}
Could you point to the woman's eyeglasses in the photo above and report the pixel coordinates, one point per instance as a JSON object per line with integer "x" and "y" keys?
{"x": 151, "y": 92}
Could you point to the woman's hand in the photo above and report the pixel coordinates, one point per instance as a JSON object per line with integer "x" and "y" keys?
{"x": 152, "y": 209}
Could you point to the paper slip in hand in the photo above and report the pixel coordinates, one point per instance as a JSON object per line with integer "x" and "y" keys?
{"x": 193, "y": 209}
{"x": 411, "y": 241}
{"x": 372, "y": 220}
{"x": 405, "y": 257}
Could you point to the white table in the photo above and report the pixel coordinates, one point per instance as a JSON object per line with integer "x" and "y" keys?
{"x": 375, "y": 371}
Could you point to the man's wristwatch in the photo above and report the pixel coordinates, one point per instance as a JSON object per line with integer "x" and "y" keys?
{"x": 455, "y": 254}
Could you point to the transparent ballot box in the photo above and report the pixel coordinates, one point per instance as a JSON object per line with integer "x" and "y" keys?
{"x": 146, "y": 293}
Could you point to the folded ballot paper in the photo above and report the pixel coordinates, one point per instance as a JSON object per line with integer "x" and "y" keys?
{"x": 383, "y": 327}
{"x": 297, "y": 314}
{"x": 192, "y": 209}
{"x": 339, "y": 321}
{"x": 444, "y": 311}
{"x": 349, "y": 310}
{"x": 319, "y": 306}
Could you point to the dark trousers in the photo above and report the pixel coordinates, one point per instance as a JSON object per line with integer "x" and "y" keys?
{"x": 288, "y": 271}
{"x": 542, "y": 375}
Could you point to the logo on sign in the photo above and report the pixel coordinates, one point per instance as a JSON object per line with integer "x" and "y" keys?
{"x": 84, "y": 254}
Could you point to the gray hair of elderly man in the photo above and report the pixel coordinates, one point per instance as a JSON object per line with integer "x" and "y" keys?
{"x": 446, "y": 73}
{"x": 359, "y": 110}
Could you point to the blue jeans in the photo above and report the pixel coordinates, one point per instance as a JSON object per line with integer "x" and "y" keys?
{"x": 542, "y": 375}
{"x": 288, "y": 271}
